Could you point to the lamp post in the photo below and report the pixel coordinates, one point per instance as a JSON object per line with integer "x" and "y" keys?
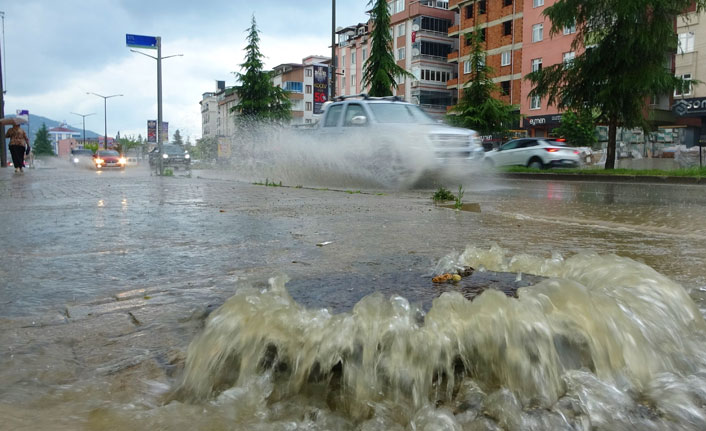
{"x": 105, "y": 115}
{"x": 84, "y": 125}
{"x": 159, "y": 59}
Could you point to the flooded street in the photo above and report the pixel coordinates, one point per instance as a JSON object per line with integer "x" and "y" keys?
{"x": 208, "y": 302}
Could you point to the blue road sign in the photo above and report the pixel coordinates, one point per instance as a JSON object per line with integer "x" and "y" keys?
{"x": 138, "y": 41}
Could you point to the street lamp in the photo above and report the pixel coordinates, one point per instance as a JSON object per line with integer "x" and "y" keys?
{"x": 105, "y": 114}
{"x": 159, "y": 58}
{"x": 84, "y": 125}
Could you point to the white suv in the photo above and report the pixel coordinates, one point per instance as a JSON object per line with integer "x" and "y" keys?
{"x": 534, "y": 153}
{"x": 399, "y": 132}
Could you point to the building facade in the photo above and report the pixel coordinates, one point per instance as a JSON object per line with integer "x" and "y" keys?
{"x": 61, "y": 133}
{"x": 299, "y": 81}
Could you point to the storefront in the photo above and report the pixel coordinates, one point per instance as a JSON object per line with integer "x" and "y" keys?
{"x": 541, "y": 125}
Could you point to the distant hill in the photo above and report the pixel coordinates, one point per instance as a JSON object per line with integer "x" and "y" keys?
{"x": 36, "y": 121}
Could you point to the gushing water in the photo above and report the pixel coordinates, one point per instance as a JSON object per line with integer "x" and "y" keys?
{"x": 604, "y": 343}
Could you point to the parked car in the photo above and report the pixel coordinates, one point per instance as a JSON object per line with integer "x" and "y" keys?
{"x": 81, "y": 157}
{"x": 534, "y": 153}
{"x": 404, "y": 141}
{"x": 108, "y": 159}
{"x": 173, "y": 156}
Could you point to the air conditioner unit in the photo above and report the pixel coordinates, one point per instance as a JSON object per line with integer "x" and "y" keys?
{"x": 415, "y": 84}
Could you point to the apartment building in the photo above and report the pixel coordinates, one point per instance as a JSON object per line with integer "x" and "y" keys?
{"x": 689, "y": 106}
{"x": 500, "y": 23}
{"x": 420, "y": 45}
{"x": 307, "y": 84}
{"x": 541, "y": 49}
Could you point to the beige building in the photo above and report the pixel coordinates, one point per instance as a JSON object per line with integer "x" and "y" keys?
{"x": 298, "y": 80}
{"x": 217, "y": 117}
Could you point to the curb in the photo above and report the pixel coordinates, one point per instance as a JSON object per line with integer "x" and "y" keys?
{"x": 606, "y": 178}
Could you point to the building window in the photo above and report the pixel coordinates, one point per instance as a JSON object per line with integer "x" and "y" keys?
{"x": 570, "y": 30}
{"x": 343, "y": 61}
{"x": 483, "y": 31}
{"x": 687, "y": 92}
{"x": 352, "y": 58}
{"x": 468, "y": 38}
{"x": 569, "y": 57}
{"x": 536, "y": 64}
{"x": 353, "y": 81}
{"x": 506, "y": 58}
{"x": 307, "y": 72}
{"x": 293, "y": 86}
{"x": 343, "y": 83}
{"x": 308, "y": 106}
{"x": 466, "y": 67}
{"x": 686, "y": 43}
{"x": 535, "y": 102}
{"x": 507, "y": 28}
{"x": 537, "y": 32}
{"x": 507, "y": 2}
{"x": 364, "y": 54}
{"x": 482, "y": 7}
{"x": 401, "y": 30}
{"x": 400, "y": 53}
{"x": 307, "y": 89}
{"x": 505, "y": 88}
{"x": 537, "y": 3}
{"x": 469, "y": 11}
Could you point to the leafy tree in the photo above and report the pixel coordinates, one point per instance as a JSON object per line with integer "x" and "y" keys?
{"x": 93, "y": 146}
{"x": 176, "y": 139}
{"x": 128, "y": 143}
{"x": 625, "y": 46}
{"x": 380, "y": 69}
{"x": 259, "y": 99}
{"x": 42, "y": 144}
{"x": 206, "y": 149}
{"x": 579, "y": 128}
{"x": 478, "y": 109}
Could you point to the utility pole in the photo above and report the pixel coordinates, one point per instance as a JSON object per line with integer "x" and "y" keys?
{"x": 105, "y": 115}
{"x": 84, "y": 125}
{"x": 333, "y": 49}
{"x": 3, "y": 144}
{"x": 146, "y": 42}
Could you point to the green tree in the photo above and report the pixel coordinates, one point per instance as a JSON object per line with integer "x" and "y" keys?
{"x": 380, "y": 69}
{"x": 578, "y": 128}
{"x": 478, "y": 109}
{"x": 42, "y": 144}
{"x": 177, "y": 139}
{"x": 206, "y": 149}
{"x": 622, "y": 48}
{"x": 259, "y": 99}
{"x": 128, "y": 143}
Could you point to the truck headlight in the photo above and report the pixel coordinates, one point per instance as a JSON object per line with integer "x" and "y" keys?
{"x": 165, "y": 156}
{"x": 187, "y": 156}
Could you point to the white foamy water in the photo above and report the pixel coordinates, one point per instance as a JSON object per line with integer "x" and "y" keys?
{"x": 604, "y": 343}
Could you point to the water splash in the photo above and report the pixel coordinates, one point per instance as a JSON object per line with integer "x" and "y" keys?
{"x": 605, "y": 343}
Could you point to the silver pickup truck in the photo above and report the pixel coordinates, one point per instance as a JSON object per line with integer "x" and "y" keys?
{"x": 402, "y": 139}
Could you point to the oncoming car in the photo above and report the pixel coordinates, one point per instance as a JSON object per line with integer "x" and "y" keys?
{"x": 81, "y": 157}
{"x": 173, "y": 156}
{"x": 108, "y": 159}
{"x": 537, "y": 153}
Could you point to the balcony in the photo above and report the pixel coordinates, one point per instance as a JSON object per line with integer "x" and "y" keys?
{"x": 452, "y": 83}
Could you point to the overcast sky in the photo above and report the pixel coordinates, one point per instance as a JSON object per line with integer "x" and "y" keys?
{"x": 55, "y": 51}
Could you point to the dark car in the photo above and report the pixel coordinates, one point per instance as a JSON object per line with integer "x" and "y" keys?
{"x": 173, "y": 156}
{"x": 81, "y": 157}
{"x": 108, "y": 159}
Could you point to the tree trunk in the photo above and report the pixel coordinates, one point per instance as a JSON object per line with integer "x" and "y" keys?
{"x": 612, "y": 135}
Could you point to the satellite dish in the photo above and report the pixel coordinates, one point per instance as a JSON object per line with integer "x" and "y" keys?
{"x": 415, "y": 27}
{"x": 415, "y": 52}
{"x": 339, "y": 28}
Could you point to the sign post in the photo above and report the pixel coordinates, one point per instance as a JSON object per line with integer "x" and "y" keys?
{"x": 152, "y": 42}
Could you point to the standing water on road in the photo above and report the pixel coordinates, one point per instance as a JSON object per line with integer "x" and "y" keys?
{"x": 604, "y": 343}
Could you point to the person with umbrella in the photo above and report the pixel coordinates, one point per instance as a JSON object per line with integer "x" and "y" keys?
{"x": 19, "y": 146}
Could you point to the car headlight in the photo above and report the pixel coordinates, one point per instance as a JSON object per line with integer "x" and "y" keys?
{"x": 165, "y": 156}
{"x": 99, "y": 161}
{"x": 122, "y": 160}
{"x": 187, "y": 156}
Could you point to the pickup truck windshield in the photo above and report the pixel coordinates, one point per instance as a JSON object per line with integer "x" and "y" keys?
{"x": 399, "y": 113}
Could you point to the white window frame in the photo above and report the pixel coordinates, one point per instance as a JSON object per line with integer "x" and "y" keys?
{"x": 400, "y": 53}
{"x": 535, "y": 103}
{"x": 536, "y": 64}
{"x": 400, "y": 6}
{"x": 365, "y": 51}
{"x": 537, "y": 3}
{"x": 686, "y": 43}
{"x": 401, "y": 29}
{"x": 570, "y": 30}
{"x": 687, "y": 77}
{"x": 506, "y": 58}
{"x": 467, "y": 67}
{"x": 352, "y": 58}
{"x": 568, "y": 57}
{"x": 538, "y": 32}
{"x": 353, "y": 81}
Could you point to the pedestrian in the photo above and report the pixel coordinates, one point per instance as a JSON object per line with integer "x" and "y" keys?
{"x": 19, "y": 146}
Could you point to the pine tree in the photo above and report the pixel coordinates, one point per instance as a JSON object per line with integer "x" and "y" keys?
{"x": 478, "y": 109}
{"x": 42, "y": 144}
{"x": 259, "y": 99}
{"x": 176, "y": 139}
{"x": 624, "y": 46}
{"x": 380, "y": 69}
